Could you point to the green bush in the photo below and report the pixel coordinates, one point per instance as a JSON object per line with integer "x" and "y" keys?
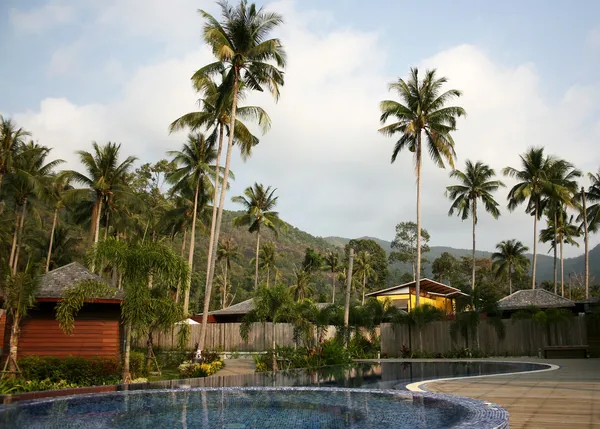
{"x": 72, "y": 370}
{"x": 333, "y": 353}
{"x": 137, "y": 364}
{"x": 13, "y": 386}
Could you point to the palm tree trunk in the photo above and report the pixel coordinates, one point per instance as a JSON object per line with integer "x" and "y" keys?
{"x": 186, "y": 295}
{"x": 126, "y": 375}
{"x": 363, "y": 288}
{"x": 510, "y": 279}
{"x": 225, "y": 286}
{"x": 555, "y": 253}
{"x": 268, "y": 275}
{"x": 14, "y": 344}
{"x": 562, "y": 268}
{"x": 348, "y": 289}
{"x": 473, "y": 256}
{"x": 51, "y": 239}
{"x": 97, "y": 226}
{"x": 274, "y": 347}
{"x": 256, "y": 261}
{"x": 13, "y": 248}
{"x": 420, "y": 340}
{"x": 533, "y": 268}
{"x": 183, "y": 241}
{"x": 149, "y": 343}
{"x": 212, "y": 258}
{"x": 586, "y": 244}
{"x": 211, "y": 241}
{"x": 106, "y": 224}
{"x": 418, "y": 268}
{"x": 20, "y": 240}
{"x": 332, "y": 286}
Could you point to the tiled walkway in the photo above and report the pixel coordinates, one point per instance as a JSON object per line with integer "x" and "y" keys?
{"x": 566, "y": 398}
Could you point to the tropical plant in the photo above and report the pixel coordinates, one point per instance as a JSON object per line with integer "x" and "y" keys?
{"x": 476, "y": 183}
{"x": 59, "y": 185}
{"x": 302, "y": 288}
{"x": 195, "y": 171}
{"x": 18, "y": 292}
{"x": 267, "y": 259}
{"x": 103, "y": 181}
{"x": 535, "y": 182}
{"x": 332, "y": 263}
{"x": 510, "y": 257}
{"x": 548, "y": 318}
{"x": 65, "y": 243}
{"x": 258, "y": 203}
{"x": 274, "y": 305}
{"x": 244, "y": 53}
{"x": 228, "y": 250}
{"x": 364, "y": 270}
{"x": 590, "y": 219}
{"x": 404, "y": 245}
{"x": 11, "y": 138}
{"x": 419, "y": 317}
{"x": 423, "y": 110}
{"x": 146, "y": 267}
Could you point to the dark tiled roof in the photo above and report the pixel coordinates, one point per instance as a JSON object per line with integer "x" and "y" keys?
{"x": 245, "y": 307}
{"x": 540, "y": 298}
{"x": 55, "y": 282}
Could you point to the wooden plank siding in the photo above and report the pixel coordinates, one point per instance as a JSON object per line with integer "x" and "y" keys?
{"x": 90, "y": 338}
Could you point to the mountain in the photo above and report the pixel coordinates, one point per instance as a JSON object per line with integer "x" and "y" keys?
{"x": 545, "y": 263}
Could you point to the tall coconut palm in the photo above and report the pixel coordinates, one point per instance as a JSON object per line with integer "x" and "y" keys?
{"x": 219, "y": 119}
{"x": 228, "y": 251}
{"x": 535, "y": 181}
{"x": 422, "y": 112}
{"x": 11, "y": 138}
{"x": 104, "y": 179}
{"x": 476, "y": 183}
{"x": 509, "y": 257}
{"x": 332, "y": 263}
{"x": 267, "y": 259}
{"x": 364, "y": 270}
{"x": 559, "y": 233}
{"x": 258, "y": 203}
{"x": 302, "y": 288}
{"x": 59, "y": 185}
{"x": 590, "y": 218}
{"x": 244, "y": 53}
{"x": 196, "y": 171}
{"x": 28, "y": 182}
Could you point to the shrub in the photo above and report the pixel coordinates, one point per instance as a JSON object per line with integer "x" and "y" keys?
{"x": 333, "y": 353}
{"x": 190, "y": 369}
{"x": 72, "y": 370}
{"x": 137, "y": 364}
{"x": 12, "y": 386}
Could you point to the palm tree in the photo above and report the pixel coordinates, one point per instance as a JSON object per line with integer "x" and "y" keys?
{"x": 104, "y": 179}
{"x": 563, "y": 231}
{"x": 59, "y": 185}
{"x": 267, "y": 259}
{"x": 244, "y": 53}
{"x": 475, "y": 184}
{"x": 143, "y": 265}
{"x": 424, "y": 111}
{"x": 535, "y": 181}
{"x": 195, "y": 171}
{"x": 258, "y": 203}
{"x": 220, "y": 118}
{"x": 28, "y": 182}
{"x": 228, "y": 250}
{"x": 270, "y": 304}
{"x": 510, "y": 257}
{"x": 11, "y": 138}
{"x": 64, "y": 246}
{"x": 332, "y": 262}
{"x": 364, "y": 269}
{"x": 302, "y": 289}
{"x": 18, "y": 293}
{"x": 590, "y": 218}
{"x": 419, "y": 317}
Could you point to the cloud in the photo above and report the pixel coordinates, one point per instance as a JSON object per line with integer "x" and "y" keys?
{"x": 37, "y": 20}
{"x": 593, "y": 39}
{"x": 66, "y": 60}
{"x": 324, "y": 154}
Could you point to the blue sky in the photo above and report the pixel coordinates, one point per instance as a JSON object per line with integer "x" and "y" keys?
{"x": 118, "y": 70}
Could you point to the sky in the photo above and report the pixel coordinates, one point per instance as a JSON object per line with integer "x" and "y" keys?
{"x": 74, "y": 72}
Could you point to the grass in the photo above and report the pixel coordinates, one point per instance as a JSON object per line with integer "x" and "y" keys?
{"x": 165, "y": 374}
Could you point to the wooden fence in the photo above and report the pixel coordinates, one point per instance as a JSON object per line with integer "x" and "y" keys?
{"x": 523, "y": 337}
{"x": 226, "y": 337}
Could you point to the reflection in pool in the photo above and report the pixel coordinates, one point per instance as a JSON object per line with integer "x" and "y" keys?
{"x": 264, "y": 408}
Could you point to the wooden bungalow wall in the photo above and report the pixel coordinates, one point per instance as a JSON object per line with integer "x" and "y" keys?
{"x": 523, "y": 338}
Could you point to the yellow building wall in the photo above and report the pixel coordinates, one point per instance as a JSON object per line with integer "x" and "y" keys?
{"x": 440, "y": 302}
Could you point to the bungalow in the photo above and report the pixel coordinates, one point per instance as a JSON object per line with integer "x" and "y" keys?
{"x": 540, "y": 298}
{"x": 431, "y": 292}
{"x": 97, "y": 330}
{"x": 236, "y": 312}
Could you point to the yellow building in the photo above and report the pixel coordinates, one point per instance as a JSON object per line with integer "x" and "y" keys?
{"x": 437, "y": 294}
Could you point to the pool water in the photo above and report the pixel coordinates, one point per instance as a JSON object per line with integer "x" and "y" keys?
{"x": 261, "y": 408}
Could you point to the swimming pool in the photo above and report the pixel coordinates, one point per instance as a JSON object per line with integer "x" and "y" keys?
{"x": 264, "y": 408}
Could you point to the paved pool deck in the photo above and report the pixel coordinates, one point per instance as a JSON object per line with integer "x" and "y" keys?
{"x": 568, "y": 397}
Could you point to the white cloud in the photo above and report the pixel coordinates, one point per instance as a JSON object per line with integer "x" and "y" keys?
{"x": 324, "y": 154}
{"x": 593, "y": 39}
{"x": 66, "y": 60}
{"x": 40, "y": 19}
